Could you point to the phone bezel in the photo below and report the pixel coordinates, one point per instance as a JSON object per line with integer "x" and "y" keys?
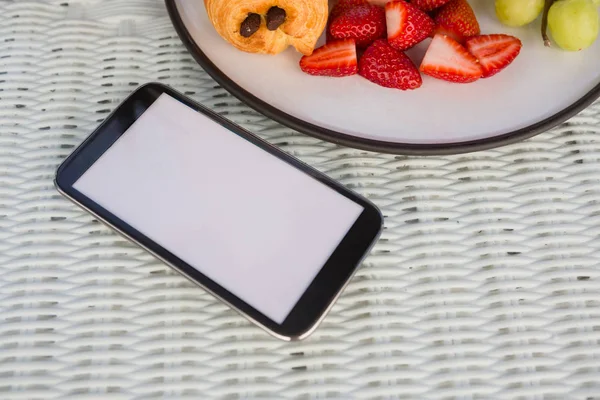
{"x": 320, "y": 295}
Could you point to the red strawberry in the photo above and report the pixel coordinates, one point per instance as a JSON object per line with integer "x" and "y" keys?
{"x": 388, "y": 67}
{"x": 343, "y": 5}
{"x": 429, "y": 5}
{"x": 380, "y": 3}
{"x": 406, "y": 25}
{"x": 364, "y": 24}
{"x": 457, "y": 19}
{"x": 494, "y": 52}
{"x": 446, "y": 59}
{"x": 333, "y": 59}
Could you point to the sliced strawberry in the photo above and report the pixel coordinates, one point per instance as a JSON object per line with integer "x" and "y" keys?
{"x": 457, "y": 20}
{"x": 406, "y": 25}
{"x": 494, "y": 52}
{"x": 388, "y": 67}
{"x": 343, "y": 5}
{"x": 429, "y": 5}
{"x": 332, "y": 59}
{"x": 448, "y": 60}
{"x": 364, "y": 23}
{"x": 380, "y": 3}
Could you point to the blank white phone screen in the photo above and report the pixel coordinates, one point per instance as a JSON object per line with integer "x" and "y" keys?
{"x": 257, "y": 226}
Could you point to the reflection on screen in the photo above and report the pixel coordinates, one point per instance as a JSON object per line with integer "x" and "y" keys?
{"x": 255, "y": 225}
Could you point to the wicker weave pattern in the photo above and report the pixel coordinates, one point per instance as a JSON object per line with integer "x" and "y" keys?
{"x": 485, "y": 284}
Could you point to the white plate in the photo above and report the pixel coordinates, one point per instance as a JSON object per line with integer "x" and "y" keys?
{"x": 542, "y": 88}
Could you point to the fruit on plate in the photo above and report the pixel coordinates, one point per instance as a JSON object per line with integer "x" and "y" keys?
{"x": 406, "y": 25}
{"x": 457, "y": 20}
{"x": 448, "y": 60}
{"x": 336, "y": 59}
{"x": 382, "y": 3}
{"x": 429, "y": 5}
{"x": 518, "y": 12}
{"x": 343, "y": 5}
{"x": 364, "y": 23}
{"x": 494, "y": 52}
{"x": 457, "y": 52}
{"x": 573, "y": 24}
{"x": 385, "y": 66}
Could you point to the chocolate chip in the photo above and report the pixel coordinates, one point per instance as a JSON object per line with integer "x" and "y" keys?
{"x": 250, "y": 25}
{"x": 275, "y": 17}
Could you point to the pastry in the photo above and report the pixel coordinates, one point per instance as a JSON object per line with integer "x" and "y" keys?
{"x": 269, "y": 26}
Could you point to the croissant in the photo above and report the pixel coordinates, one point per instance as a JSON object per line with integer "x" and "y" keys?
{"x": 269, "y": 26}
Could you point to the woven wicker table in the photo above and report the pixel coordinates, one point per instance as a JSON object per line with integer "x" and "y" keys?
{"x": 485, "y": 284}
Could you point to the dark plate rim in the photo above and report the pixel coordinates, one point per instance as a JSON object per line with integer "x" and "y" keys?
{"x": 362, "y": 143}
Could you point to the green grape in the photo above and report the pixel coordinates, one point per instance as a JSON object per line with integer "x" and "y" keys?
{"x": 573, "y": 23}
{"x": 518, "y": 12}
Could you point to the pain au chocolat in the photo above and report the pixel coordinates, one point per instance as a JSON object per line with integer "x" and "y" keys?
{"x": 269, "y": 26}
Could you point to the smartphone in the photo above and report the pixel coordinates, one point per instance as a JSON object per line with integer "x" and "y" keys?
{"x": 271, "y": 237}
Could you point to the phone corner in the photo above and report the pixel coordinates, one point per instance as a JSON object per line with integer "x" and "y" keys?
{"x": 377, "y": 215}
{"x": 301, "y": 335}
{"x": 152, "y": 86}
{"x": 58, "y": 186}
{"x": 305, "y": 335}
{"x": 57, "y": 178}
{"x": 296, "y": 334}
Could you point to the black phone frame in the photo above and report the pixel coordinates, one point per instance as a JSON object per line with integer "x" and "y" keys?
{"x": 320, "y": 295}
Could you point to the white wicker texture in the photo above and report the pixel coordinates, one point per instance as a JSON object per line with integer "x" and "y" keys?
{"x": 485, "y": 284}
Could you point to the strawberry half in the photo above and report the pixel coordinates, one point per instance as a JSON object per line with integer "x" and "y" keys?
{"x": 448, "y": 60}
{"x": 332, "y": 59}
{"x": 380, "y": 3}
{"x": 388, "y": 67}
{"x": 406, "y": 25}
{"x": 364, "y": 23}
{"x": 494, "y": 52}
{"x": 457, "y": 20}
{"x": 429, "y": 5}
{"x": 343, "y": 5}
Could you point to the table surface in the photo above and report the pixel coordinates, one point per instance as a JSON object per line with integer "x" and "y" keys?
{"x": 485, "y": 284}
